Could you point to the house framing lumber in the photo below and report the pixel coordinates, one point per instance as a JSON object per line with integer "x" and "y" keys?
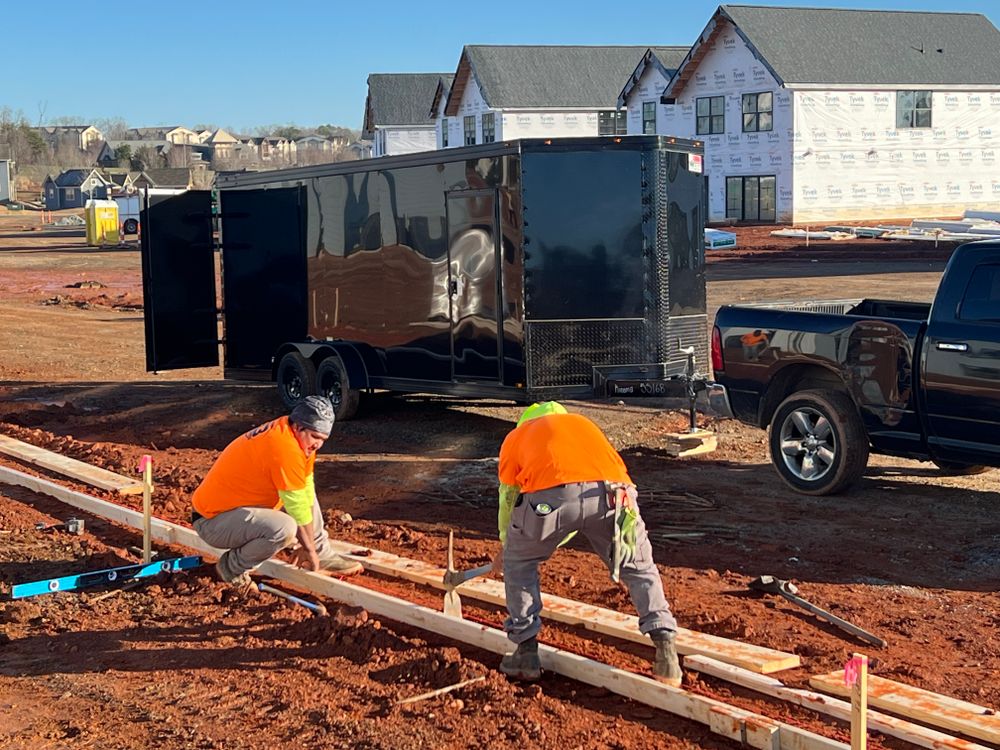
{"x": 70, "y": 467}
{"x": 824, "y": 704}
{"x": 598, "y": 619}
{"x": 915, "y": 703}
{"x": 734, "y": 723}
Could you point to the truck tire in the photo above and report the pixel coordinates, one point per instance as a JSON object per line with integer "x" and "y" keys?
{"x": 956, "y": 469}
{"x": 818, "y": 442}
{"x": 131, "y": 226}
{"x": 332, "y": 382}
{"x": 296, "y": 378}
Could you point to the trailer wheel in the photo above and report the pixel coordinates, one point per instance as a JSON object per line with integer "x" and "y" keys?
{"x": 131, "y": 226}
{"x": 332, "y": 382}
{"x": 818, "y": 443}
{"x": 956, "y": 469}
{"x": 296, "y": 378}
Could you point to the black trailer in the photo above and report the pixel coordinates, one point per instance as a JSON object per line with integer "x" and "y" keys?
{"x": 534, "y": 269}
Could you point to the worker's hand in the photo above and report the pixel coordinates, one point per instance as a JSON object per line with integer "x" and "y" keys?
{"x": 306, "y": 559}
{"x": 498, "y": 562}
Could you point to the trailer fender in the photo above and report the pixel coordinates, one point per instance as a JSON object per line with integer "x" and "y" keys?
{"x": 350, "y": 353}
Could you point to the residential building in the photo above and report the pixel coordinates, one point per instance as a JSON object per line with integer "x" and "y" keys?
{"x": 396, "y": 116}
{"x": 80, "y": 137}
{"x": 176, "y": 134}
{"x": 73, "y": 188}
{"x": 817, "y": 115}
{"x": 507, "y": 92}
{"x": 169, "y": 177}
{"x": 639, "y": 101}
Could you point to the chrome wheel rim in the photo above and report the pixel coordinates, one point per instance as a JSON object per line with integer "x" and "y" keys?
{"x": 808, "y": 444}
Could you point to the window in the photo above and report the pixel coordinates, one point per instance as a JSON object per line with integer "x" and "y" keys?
{"x": 470, "y": 130}
{"x": 757, "y": 112}
{"x": 612, "y": 122}
{"x": 70, "y": 194}
{"x": 444, "y": 132}
{"x": 913, "y": 109}
{"x": 751, "y": 198}
{"x": 982, "y": 297}
{"x": 711, "y": 115}
{"x": 648, "y": 118}
{"x": 489, "y": 127}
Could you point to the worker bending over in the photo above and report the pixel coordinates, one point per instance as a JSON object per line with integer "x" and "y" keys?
{"x": 260, "y": 496}
{"x": 560, "y": 475}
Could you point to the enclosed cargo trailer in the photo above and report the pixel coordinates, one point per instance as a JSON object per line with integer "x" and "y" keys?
{"x": 529, "y": 270}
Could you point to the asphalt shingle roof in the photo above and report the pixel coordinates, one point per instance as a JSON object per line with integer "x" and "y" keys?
{"x": 401, "y": 98}
{"x": 552, "y": 76}
{"x": 670, "y": 57}
{"x": 822, "y": 45}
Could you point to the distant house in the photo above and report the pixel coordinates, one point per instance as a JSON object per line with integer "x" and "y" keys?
{"x": 507, "y": 92}
{"x": 314, "y": 143}
{"x": 811, "y": 114}
{"x": 73, "y": 188}
{"x": 224, "y": 145}
{"x": 175, "y": 177}
{"x": 175, "y": 134}
{"x": 396, "y": 112}
{"x": 641, "y": 112}
{"x": 80, "y": 137}
{"x": 121, "y": 179}
{"x": 108, "y": 155}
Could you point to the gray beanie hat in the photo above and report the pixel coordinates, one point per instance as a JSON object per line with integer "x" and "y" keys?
{"x": 313, "y": 413}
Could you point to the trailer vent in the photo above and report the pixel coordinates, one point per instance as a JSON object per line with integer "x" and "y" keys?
{"x": 565, "y": 352}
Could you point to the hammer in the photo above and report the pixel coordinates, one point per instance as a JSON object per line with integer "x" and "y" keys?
{"x": 787, "y": 589}
{"x": 453, "y": 578}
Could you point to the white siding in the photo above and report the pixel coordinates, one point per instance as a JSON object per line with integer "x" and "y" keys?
{"x": 405, "y": 139}
{"x": 852, "y": 162}
{"x": 549, "y": 124}
{"x": 730, "y": 69}
{"x": 648, "y": 89}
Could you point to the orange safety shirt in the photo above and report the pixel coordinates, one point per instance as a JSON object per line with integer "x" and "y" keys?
{"x": 253, "y": 469}
{"x": 558, "y": 449}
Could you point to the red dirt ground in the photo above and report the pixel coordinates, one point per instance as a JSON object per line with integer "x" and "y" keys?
{"x": 910, "y": 555}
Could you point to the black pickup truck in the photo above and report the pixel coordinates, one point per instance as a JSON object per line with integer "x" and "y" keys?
{"x": 837, "y": 380}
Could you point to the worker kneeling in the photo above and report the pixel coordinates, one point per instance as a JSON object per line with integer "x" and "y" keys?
{"x": 560, "y": 475}
{"x": 260, "y": 496}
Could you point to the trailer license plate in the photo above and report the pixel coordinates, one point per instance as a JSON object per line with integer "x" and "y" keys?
{"x": 643, "y": 388}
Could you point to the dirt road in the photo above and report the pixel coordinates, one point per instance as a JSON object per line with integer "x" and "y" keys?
{"x": 910, "y": 555}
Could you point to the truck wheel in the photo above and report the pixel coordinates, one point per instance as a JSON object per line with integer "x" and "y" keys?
{"x": 955, "y": 469}
{"x": 131, "y": 226}
{"x": 296, "y": 378}
{"x": 332, "y": 382}
{"x": 818, "y": 443}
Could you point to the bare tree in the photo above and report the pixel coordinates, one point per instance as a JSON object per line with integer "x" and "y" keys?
{"x": 113, "y": 128}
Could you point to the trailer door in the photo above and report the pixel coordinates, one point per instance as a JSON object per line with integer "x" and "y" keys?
{"x": 473, "y": 284}
{"x": 178, "y": 281}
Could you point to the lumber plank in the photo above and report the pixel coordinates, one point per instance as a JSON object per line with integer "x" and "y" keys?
{"x": 891, "y": 726}
{"x": 598, "y": 619}
{"x": 915, "y": 703}
{"x": 70, "y": 467}
{"x": 732, "y": 722}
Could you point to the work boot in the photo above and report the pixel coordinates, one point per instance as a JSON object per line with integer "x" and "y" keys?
{"x": 242, "y": 583}
{"x": 666, "y": 667}
{"x": 524, "y": 663}
{"x": 340, "y": 566}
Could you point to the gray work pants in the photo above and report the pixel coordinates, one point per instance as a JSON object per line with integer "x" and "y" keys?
{"x": 253, "y": 535}
{"x": 532, "y": 537}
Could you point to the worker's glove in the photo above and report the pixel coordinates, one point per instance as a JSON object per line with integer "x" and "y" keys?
{"x": 628, "y": 528}
{"x": 508, "y": 497}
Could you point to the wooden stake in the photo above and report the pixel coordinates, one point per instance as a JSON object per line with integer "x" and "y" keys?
{"x": 856, "y": 674}
{"x": 146, "y": 467}
{"x": 439, "y": 691}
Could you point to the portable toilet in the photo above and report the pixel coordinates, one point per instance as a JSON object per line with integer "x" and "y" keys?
{"x": 102, "y": 223}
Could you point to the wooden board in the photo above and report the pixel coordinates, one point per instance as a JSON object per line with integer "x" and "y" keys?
{"x": 824, "y": 704}
{"x": 729, "y": 721}
{"x": 598, "y": 619}
{"x": 70, "y": 467}
{"x": 914, "y": 703}
{"x": 682, "y": 444}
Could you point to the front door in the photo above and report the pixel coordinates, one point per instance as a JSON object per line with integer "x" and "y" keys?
{"x": 473, "y": 285}
{"x": 751, "y": 198}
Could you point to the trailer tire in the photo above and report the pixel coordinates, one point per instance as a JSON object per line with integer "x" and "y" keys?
{"x": 131, "y": 226}
{"x": 818, "y": 442}
{"x": 333, "y": 382}
{"x": 296, "y": 378}
{"x": 956, "y": 469}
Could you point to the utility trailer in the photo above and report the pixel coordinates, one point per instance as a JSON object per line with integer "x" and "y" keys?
{"x": 529, "y": 270}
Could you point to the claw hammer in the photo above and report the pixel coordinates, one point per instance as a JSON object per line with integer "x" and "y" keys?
{"x": 453, "y": 578}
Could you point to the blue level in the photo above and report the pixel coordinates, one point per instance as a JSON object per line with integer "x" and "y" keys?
{"x": 101, "y": 577}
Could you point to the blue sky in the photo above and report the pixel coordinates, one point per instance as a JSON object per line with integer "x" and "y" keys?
{"x": 244, "y": 64}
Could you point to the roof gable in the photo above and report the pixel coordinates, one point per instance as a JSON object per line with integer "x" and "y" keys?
{"x": 399, "y": 99}
{"x": 544, "y": 76}
{"x": 441, "y": 94}
{"x": 664, "y": 59}
{"x": 863, "y": 47}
